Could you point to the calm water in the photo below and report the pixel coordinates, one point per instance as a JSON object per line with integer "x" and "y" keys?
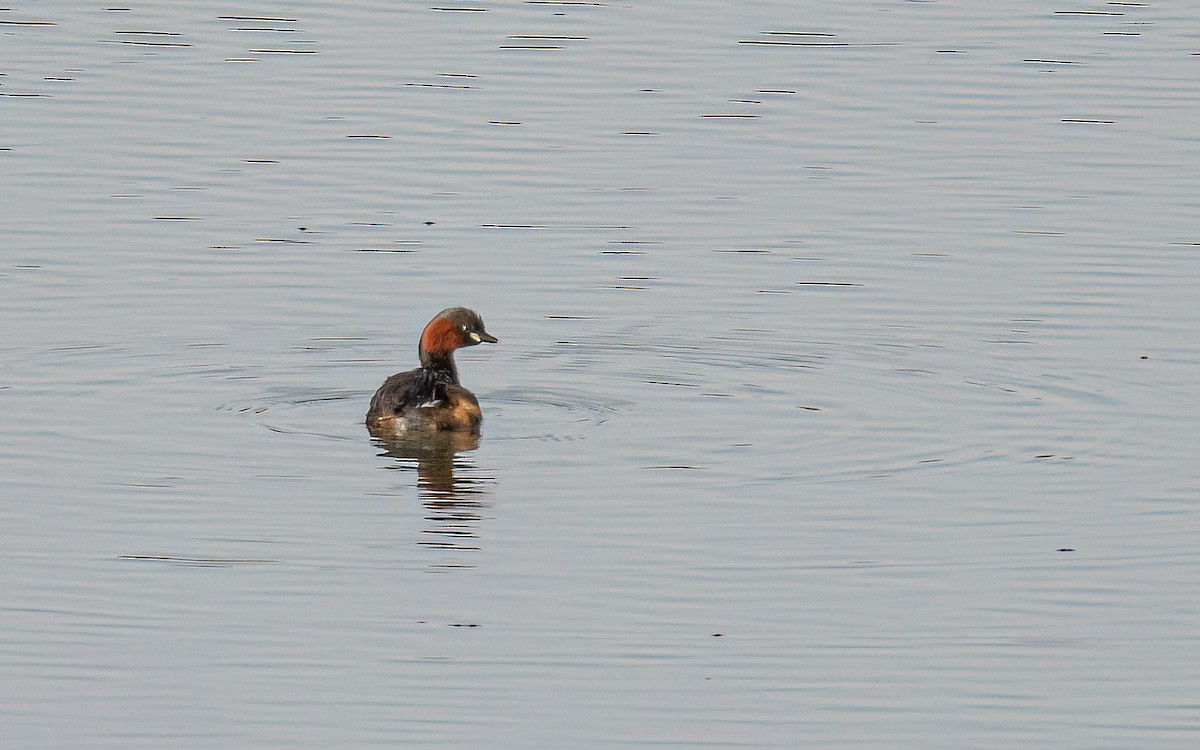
{"x": 846, "y": 392}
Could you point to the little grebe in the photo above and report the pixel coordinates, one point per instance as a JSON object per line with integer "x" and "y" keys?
{"x": 430, "y": 397}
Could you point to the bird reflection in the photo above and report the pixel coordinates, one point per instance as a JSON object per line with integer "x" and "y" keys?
{"x": 452, "y": 492}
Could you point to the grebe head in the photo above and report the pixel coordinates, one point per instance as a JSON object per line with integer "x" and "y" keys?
{"x": 453, "y": 328}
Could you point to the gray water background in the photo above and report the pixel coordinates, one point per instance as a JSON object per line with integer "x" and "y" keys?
{"x": 846, "y": 393}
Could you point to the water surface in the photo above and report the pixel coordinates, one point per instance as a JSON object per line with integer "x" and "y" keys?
{"x": 845, "y": 394}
